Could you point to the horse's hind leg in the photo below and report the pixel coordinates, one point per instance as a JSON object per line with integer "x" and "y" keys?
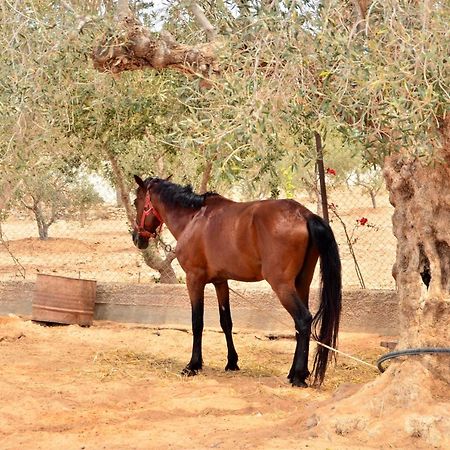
{"x": 302, "y": 286}
{"x": 196, "y": 290}
{"x": 302, "y": 318}
{"x": 223, "y": 297}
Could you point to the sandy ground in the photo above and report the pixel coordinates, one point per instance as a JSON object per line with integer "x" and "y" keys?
{"x": 116, "y": 386}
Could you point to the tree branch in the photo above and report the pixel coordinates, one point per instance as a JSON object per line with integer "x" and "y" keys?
{"x": 202, "y": 21}
{"x": 134, "y": 47}
{"x": 123, "y": 10}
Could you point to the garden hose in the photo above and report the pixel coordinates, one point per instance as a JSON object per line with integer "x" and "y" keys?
{"x": 411, "y": 351}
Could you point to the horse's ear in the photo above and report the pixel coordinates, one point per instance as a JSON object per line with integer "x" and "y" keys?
{"x": 139, "y": 181}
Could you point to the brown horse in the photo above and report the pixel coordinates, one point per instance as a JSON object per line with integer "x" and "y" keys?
{"x": 275, "y": 240}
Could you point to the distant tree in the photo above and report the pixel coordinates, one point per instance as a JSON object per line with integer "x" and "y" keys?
{"x": 371, "y": 181}
{"x": 83, "y": 197}
{"x": 43, "y": 194}
{"x": 52, "y": 193}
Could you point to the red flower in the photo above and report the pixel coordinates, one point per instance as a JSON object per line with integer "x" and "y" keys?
{"x": 362, "y": 221}
{"x": 331, "y": 171}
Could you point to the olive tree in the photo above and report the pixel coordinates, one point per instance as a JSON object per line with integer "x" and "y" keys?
{"x": 379, "y": 70}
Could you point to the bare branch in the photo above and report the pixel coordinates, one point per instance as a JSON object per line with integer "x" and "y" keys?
{"x": 202, "y": 21}
{"x": 123, "y": 10}
{"x": 82, "y": 20}
{"x": 360, "y": 8}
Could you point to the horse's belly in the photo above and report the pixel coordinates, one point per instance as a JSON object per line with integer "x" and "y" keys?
{"x": 236, "y": 270}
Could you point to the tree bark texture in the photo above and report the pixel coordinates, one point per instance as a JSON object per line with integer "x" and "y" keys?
{"x": 134, "y": 47}
{"x": 420, "y": 194}
{"x": 163, "y": 266}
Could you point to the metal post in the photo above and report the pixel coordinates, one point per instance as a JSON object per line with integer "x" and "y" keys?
{"x": 320, "y": 167}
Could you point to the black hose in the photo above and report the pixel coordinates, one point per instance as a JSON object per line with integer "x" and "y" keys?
{"x": 410, "y": 351}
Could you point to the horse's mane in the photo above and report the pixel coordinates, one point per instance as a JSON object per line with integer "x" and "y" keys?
{"x": 176, "y": 195}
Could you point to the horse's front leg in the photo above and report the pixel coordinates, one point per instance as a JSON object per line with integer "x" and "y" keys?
{"x": 196, "y": 289}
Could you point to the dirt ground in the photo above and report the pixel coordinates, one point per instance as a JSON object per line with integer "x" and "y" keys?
{"x": 117, "y": 386}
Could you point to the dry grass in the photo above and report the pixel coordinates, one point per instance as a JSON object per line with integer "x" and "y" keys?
{"x": 258, "y": 359}
{"x": 136, "y": 365}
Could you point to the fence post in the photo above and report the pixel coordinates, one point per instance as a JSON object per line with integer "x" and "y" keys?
{"x": 321, "y": 170}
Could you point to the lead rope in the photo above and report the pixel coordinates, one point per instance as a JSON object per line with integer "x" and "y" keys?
{"x": 319, "y": 343}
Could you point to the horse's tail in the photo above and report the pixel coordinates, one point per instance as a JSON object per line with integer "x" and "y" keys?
{"x": 325, "y": 325}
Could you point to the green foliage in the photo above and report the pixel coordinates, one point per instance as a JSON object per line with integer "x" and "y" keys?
{"x": 384, "y": 85}
{"x": 286, "y": 73}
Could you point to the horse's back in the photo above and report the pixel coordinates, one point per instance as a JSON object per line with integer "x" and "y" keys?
{"x": 243, "y": 223}
{"x": 245, "y": 240}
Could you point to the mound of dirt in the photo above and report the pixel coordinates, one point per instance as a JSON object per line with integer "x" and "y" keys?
{"x": 33, "y": 246}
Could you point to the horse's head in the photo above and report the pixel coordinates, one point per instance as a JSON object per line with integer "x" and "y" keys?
{"x": 148, "y": 220}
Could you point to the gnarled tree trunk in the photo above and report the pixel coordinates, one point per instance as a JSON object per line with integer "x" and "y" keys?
{"x": 134, "y": 47}
{"x": 420, "y": 195}
{"x": 408, "y": 404}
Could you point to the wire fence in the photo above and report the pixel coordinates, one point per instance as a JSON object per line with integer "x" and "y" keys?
{"x": 100, "y": 247}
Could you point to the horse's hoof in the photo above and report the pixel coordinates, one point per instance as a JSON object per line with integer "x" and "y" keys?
{"x": 188, "y": 372}
{"x": 231, "y": 367}
{"x": 298, "y": 383}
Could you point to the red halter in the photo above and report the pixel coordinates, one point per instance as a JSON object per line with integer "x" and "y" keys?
{"x": 148, "y": 209}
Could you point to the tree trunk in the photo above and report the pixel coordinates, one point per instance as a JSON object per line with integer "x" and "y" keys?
{"x": 42, "y": 225}
{"x": 163, "y": 266}
{"x": 121, "y": 187}
{"x": 373, "y": 198}
{"x": 206, "y": 176}
{"x": 119, "y": 201}
{"x": 150, "y": 255}
{"x": 420, "y": 195}
{"x": 43, "y": 231}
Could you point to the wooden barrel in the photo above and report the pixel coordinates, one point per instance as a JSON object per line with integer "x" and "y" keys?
{"x": 64, "y": 300}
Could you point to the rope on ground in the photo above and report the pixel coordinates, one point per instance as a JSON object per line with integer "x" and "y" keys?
{"x": 319, "y": 343}
{"x": 347, "y": 355}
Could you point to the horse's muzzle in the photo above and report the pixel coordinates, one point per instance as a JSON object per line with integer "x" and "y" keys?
{"x": 140, "y": 242}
